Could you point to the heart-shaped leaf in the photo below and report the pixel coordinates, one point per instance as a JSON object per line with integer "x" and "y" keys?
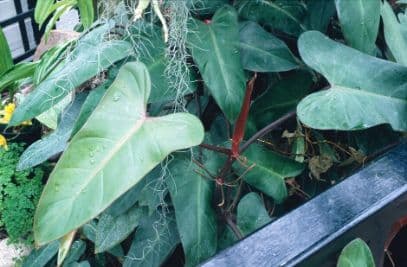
{"x": 216, "y": 52}
{"x": 92, "y": 55}
{"x": 268, "y": 171}
{"x": 360, "y": 23}
{"x": 262, "y": 52}
{"x": 356, "y": 254}
{"x": 365, "y": 91}
{"x": 251, "y": 213}
{"x": 102, "y": 163}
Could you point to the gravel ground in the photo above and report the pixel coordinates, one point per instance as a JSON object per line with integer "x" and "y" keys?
{"x": 9, "y": 252}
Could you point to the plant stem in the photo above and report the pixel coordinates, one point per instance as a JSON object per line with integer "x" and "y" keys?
{"x": 237, "y": 196}
{"x": 266, "y": 130}
{"x": 234, "y": 228}
{"x": 215, "y": 148}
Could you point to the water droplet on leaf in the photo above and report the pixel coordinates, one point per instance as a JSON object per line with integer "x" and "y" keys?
{"x": 116, "y": 97}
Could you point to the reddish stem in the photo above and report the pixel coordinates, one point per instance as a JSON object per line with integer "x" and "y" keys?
{"x": 238, "y": 132}
{"x": 395, "y": 229}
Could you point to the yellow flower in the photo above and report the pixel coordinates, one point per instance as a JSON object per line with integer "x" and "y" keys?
{"x": 7, "y": 113}
{"x": 3, "y": 142}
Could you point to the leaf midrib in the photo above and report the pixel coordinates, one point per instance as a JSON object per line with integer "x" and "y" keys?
{"x": 112, "y": 152}
{"x": 266, "y": 52}
{"x": 267, "y": 170}
{"x": 220, "y": 61}
{"x": 285, "y": 12}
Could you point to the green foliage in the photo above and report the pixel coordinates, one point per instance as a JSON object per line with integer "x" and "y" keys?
{"x": 360, "y": 23}
{"x": 92, "y": 55}
{"x": 251, "y": 213}
{"x": 262, "y": 52}
{"x": 356, "y": 254}
{"x": 132, "y": 181}
{"x": 54, "y": 143}
{"x": 395, "y": 32}
{"x": 284, "y": 15}
{"x": 17, "y": 72}
{"x": 153, "y": 242}
{"x": 19, "y": 195}
{"x": 6, "y": 61}
{"x": 52, "y": 9}
{"x": 196, "y": 221}
{"x": 216, "y": 52}
{"x": 104, "y": 149}
{"x": 365, "y": 91}
{"x": 40, "y": 257}
{"x": 268, "y": 171}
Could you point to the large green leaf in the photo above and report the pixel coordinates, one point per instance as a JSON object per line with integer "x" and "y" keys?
{"x": 55, "y": 142}
{"x": 142, "y": 192}
{"x": 365, "y": 91}
{"x": 6, "y": 60}
{"x": 111, "y": 230}
{"x": 262, "y": 52}
{"x": 155, "y": 239}
{"x": 192, "y": 196}
{"x": 215, "y": 50}
{"x": 283, "y": 15}
{"x": 92, "y": 55}
{"x": 281, "y": 98}
{"x": 85, "y": 181}
{"x": 269, "y": 171}
{"x": 40, "y": 257}
{"x": 356, "y": 254}
{"x": 395, "y": 33}
{"x": 360, "y": 23}
{"x": 251, "y": 213}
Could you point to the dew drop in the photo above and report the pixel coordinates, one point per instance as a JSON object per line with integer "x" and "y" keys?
{"x": 91, "y": 154}
{"x": 116, "y": 97}
{"x": 92, "y": 161}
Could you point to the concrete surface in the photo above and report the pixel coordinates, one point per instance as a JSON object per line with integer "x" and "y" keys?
{"x": 8, "y": 253}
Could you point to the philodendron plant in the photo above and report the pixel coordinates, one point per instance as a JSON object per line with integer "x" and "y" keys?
{"x": 177, "y": 119}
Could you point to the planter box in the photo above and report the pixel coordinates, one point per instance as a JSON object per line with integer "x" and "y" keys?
{"x": 364, "y": 205}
